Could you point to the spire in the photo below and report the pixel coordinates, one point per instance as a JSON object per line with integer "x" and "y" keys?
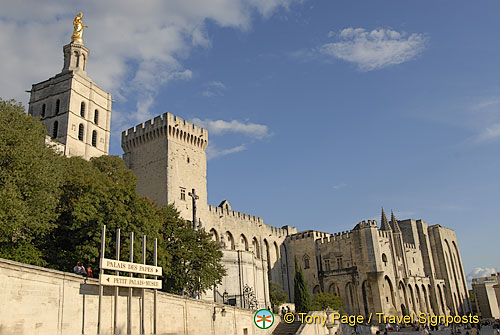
{"x": 384, "y": 224}
{"x": 394, "y": 223}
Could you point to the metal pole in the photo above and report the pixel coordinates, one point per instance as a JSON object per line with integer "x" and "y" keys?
{"x": 129, "y": 312}
{"x": 117, "y": 293}
{"x": 155, "y": 290}
{"x": 101, "y": 271}
{"x": 143, "y": 290}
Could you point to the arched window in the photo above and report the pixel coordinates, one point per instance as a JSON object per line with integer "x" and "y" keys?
{"x": 94, "y": 138}
{"x": 54, "y": 129}
{"x": 215, "y": 236}
{"x": 82, "y": 109}
{"x": 96, "y": 116}
{"x": 230, "y": 241}
{"x": 384, "y": 259}
{"x": 306, "y": 262}
{"x": 43, "y": 110}
{"x": 80, "y": 132}
{"x": 255, "y": 246}
{"x": 58, "y": 106}
{"x": 77, "y": 59}
{"x": 244, "y": 242}
{"x": 84, "y": 63}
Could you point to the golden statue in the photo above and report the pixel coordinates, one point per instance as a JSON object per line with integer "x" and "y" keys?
{"x": 78, "y": 29}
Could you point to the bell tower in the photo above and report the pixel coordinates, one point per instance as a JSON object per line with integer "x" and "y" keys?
{"x": 75, "y": 111}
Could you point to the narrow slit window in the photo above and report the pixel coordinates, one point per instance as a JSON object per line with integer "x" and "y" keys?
{"x": 55, "y": 129}
{"x": 80, "y": 132}
{"x": 94, "y": 138}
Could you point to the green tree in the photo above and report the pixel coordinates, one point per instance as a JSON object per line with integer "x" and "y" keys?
{"x": 300, "y": 290}
{"x": 321, "y": 301}
{"x": 194, "y": 259}
{"x": 30, "y": 179}
{"x": 96, "y": 193}
{"x": 53, "y": 208}
{"x": 277, "y": 295}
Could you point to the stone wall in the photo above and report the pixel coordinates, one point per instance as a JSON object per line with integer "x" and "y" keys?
{"x": 42, "y": 301}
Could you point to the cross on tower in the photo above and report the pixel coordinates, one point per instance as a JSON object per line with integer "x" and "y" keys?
{"x": 195, "y": 197}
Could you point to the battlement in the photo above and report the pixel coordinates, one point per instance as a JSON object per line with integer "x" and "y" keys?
{"x": 368, "y": 223}
{"x": 169, "y": 125}
{"x": 236, "y": 214}
{"x": 332, "y": 238}
{"x": 309, "y": 234}
{"x": 410, "y": 246}
{"x": 221, "y": 212}
{"x": 384, "y": 233}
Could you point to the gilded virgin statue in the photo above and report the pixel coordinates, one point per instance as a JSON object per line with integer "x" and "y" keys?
{"x": 78, "y": 29}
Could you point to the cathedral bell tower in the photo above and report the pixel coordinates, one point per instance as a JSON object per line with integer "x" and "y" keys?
{"x": 75, "y": 111}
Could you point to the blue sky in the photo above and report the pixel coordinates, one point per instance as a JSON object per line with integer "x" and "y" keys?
{"x": 319, "y": 112}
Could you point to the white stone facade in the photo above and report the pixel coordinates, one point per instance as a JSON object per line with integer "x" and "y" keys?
{"x": 404, "y": 267}
{"x": 167, "y": 154}
{"x": 487, "y": 296}
{"x": 75, "y": 111}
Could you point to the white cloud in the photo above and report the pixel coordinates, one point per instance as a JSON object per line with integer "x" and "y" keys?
{"x": 135, "y": 47}
{"x": 488, "y": 134}
{"x": 376, "y": 49}
{"x": 339, "y": 186}
{"x": 485, "y": 104}
{"x": 214, "y": 88}
{"x": 481, "y": 272}
{"x": 213, "y": 152}
{"x": 219, "y": 127}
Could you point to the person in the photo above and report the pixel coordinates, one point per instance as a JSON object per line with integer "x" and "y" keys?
{"x": 283, "y": 311}
{"x": 89, "y": 272}
{"x": 79, "y": 269}
{"x": 288, "y": 309}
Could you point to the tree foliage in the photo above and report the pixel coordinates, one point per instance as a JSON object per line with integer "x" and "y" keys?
{"x": 30, "y": 182}
{"x": 276, "y": 295}
{"x": 96, "y": 193}
{"x": 53, "y": 208}
{"x": 302, "y": 302}
{"x": 322, "y": 301}
{"x": 194, "y": 258}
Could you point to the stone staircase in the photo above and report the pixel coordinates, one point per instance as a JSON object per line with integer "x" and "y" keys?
{"x": 286, "y": 328}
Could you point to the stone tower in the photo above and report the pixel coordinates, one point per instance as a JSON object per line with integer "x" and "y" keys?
{"x": 75, "y": 111}
{"x": 168, "y": 156}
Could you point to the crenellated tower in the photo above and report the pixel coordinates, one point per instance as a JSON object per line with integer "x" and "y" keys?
{"x": 168, "y": 156}
{"x": 75, "y": 111}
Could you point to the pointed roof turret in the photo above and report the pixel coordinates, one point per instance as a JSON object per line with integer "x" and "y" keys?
{"x": 394, "y": 223}
{"x": 384, "y": 223}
